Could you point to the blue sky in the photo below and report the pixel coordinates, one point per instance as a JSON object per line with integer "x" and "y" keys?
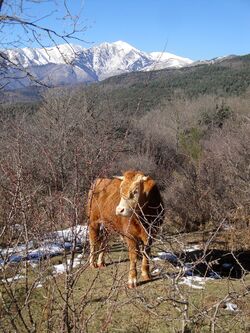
{"x": 197, "y": 29}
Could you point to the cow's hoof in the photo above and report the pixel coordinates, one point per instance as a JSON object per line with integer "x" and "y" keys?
{"x": 93, "y": 265}
{"x": 101, "y": 265}
{"x": 132, "y": 283}
{"x": 146, "y": 277}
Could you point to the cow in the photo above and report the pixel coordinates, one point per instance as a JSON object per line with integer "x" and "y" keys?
{"x": 130, "y": 205}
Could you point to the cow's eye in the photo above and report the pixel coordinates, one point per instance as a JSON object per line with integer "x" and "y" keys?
{"x": 131, "y": 195}
{"x": 135, "y": 191}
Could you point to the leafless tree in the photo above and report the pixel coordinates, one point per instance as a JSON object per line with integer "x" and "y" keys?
{"x": 25, "y": 23}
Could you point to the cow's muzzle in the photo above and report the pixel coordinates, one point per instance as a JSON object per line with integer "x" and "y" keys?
{"x": 123, "y": 211}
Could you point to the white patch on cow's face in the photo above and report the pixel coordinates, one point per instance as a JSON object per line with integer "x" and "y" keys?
{"x": 130, "y": 195}
{"x": 123, "y": 209}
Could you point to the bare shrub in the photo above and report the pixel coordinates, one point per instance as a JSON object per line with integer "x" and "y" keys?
{"x": 217, "y": 185}
{"x": 48, "y": 161}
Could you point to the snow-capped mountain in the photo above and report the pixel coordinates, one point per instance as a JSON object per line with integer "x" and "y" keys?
{"x": 70, "y": 64}
{"x": 165, "y": 60}
{"x": 214, "y": 60}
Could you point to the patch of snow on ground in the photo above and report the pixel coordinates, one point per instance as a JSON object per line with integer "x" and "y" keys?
{"x": 16, "y": 249}
{"x": 231, "y": 306}
{"x": 78, "y": 233}
{"x": 195, "y": 282}
{"x": 169, "y": 256}
{"x": 59, "y": 268}
{"x": 39, "y": 285}
{"x": 156, "y": 271}
{"x": 14, "y": 278}
{"x": 192, "y": 248}
{"x": 54, "y": 244}
{"x": 62, "y": 268}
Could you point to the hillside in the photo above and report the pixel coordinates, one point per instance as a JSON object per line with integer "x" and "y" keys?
{"x": 227, "y": 77}
{"x": 230, "y": 77}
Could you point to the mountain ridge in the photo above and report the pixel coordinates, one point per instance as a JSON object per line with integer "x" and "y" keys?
{"x": 229, "y": 76}
{"x": 70, "y": 64}
{"x": 89, "y": 64}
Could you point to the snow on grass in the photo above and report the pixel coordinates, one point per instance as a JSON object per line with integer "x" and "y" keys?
{"x": 16, "y": 249}
{"x": 39, "y": 285}
{"x": 53, "y": 244}
{"x": 13, "y": 278}
{"x": 231, "y": 306}
{"x": 168, "y": 256}
{"x": 78, "y": 233}
{"x": 192, "y": 248}
{"x": 195, "y": 282}
{"x": 62, "y": 268}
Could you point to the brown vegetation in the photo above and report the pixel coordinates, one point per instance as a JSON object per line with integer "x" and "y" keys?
{"x": 196, "y": 149}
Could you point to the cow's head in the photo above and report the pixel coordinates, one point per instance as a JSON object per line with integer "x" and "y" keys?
{"x": 131, "y": 192}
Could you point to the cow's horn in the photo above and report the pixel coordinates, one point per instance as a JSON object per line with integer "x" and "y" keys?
{"x": 144, "y": 178}
{"x": 119, "y": 177}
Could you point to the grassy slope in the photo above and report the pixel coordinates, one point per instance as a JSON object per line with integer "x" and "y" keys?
{"x": 102, "y": 302}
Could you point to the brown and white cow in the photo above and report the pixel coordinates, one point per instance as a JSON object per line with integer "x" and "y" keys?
{"x": 130, "y": 205}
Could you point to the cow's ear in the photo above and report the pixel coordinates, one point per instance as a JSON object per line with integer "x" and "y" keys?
{"x": 119, "y": 177}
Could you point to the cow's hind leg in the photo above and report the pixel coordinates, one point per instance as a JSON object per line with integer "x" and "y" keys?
{"x": 133, "y": 252}
{"x": 94, "y": 231}
{"x": 98, "y": 243}
{"x": 103, "y": 241}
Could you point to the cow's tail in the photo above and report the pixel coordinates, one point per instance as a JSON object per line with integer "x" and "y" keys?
{"x": 90, "y": 199}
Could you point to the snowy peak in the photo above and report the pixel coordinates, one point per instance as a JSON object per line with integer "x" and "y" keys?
{"x": 89, "y": 64}
{"x": 60, "y": 54}
{"x": 111, "y": 59}
{"x": 124, "y": 46}
{"x": 165, "y": 56}
{"x": 163, "y": 60}
{"x": 118, "y": 46}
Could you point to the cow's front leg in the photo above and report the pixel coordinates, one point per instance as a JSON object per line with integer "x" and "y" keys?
{"x": 145, "y": 272}
{"x": 133, "y": 251}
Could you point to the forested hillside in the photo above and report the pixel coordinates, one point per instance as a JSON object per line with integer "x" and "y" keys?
{"x": 225, "y": 77}
{"x": 229, "y": 77}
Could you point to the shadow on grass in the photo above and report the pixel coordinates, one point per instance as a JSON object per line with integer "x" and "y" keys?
{"x": 225, "y": 263}
{"x": 115, "y": 262}
{"x": 153, "y": 279}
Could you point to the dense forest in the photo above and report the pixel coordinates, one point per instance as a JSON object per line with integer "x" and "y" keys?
{"x": 189, "y": 128}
